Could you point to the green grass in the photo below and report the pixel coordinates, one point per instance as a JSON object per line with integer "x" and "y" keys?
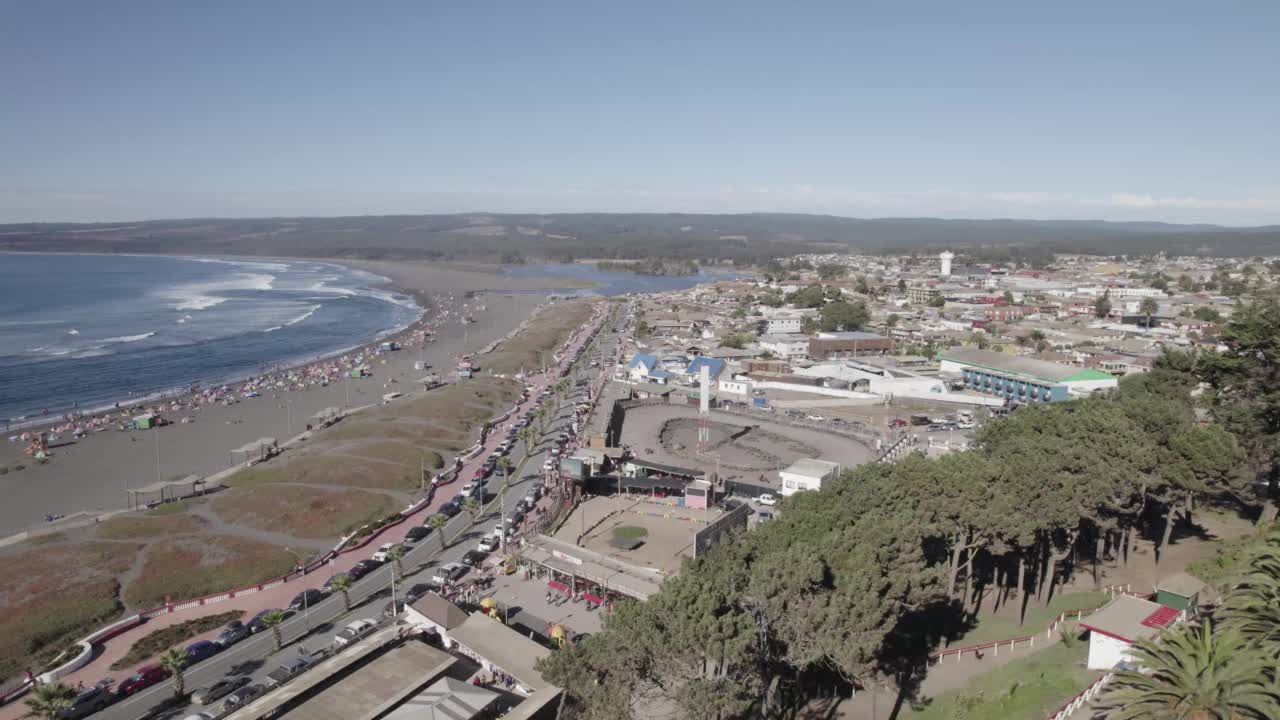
{"x": 998, "y": 627}
{"x": 156, "y": 642}
{"x": 1230, "y": 558}
{"x": 1030, "y": 687}
{"x": 630, "y": 532}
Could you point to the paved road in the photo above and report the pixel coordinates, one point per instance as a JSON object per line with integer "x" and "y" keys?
{"x": 321, "y": 621}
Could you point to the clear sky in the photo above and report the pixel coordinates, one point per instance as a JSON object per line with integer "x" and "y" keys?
{"x": 1121, "y": 110}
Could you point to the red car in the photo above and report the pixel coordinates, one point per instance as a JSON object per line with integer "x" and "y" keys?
{"x": 141, "y": 680}
{"x": 897, "y": 422}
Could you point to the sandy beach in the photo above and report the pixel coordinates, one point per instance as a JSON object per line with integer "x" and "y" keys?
{"x": 92, "y": 473}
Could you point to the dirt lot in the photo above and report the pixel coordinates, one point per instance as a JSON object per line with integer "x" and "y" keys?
{"x": 667, "y": 531}
{"x": 748, "y": 448}
{"x": 301, "y": 511}
{"x": 144, "y": 527}
{"x": 191, "y": 567}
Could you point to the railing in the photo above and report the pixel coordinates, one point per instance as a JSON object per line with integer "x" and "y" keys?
{"x": 1083, "y": 698}
{"x": 1063, "y": 616}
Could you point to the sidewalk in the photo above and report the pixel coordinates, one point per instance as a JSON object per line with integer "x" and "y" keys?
{"x": 281, "y": 595}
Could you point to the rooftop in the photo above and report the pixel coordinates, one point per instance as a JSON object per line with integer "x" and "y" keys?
{"x": 1130, "y": 619}
{"x": 502, "y": 646}
{"x": 447, "y": 699}
{"x": 1181, "y": 584}
{"x": 1014, "y": 365}
{"x": 811, "y": 468}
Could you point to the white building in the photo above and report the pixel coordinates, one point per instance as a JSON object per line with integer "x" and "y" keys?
{"x": 785, "y": 346}
{"x": 945, "y": 259}
{"x": 1120, "y": 292}
{"x": 1114, "y": 629}
{"x": 784, "y": 324}
{"x": 736, "y": 386}
{"x": 807, "y": 474}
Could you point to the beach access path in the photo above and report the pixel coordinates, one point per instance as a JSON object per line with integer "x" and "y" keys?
{"x": 281, "y": 595}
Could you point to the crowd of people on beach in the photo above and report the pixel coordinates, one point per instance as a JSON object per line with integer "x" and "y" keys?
{"x": 77, "y": 424}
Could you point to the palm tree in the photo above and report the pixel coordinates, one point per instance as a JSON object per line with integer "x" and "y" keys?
{"x": 1148, "y": 307}
{"x": 1252, "y": 607}
{"x": 1194, "y": 673}
{"x": 472, "y": 506}
{"x": 47, "y": 701}
{"x": 273, "y": 620}
{"x": 396, "y": 556}
{"x": 342, "y": 583}
{"x": 175, "y": 662}
{"x": 437, "y": 524}
{"x": 1038, "y": 338}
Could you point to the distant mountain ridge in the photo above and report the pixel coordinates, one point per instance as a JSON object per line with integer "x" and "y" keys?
{"x": 751, "y": 237}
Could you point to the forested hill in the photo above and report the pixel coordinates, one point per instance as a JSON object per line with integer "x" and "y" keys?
{"x": 741, "y": 238}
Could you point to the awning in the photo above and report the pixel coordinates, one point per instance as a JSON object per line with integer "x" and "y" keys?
{"x": 592, "y": 598}
{"x": 557, "y": 585}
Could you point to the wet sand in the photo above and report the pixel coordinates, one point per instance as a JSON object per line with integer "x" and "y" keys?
{"x": 91, "y": 474}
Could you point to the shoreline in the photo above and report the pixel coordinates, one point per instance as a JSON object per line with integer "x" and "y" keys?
{"x": 91, "y": 473}
{"x": 424, "y": 305}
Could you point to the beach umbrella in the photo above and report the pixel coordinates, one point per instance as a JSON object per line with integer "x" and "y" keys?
{"x": 488, "y": 603}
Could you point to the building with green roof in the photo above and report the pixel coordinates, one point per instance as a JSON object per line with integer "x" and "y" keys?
{"x": 1022, "y": 380}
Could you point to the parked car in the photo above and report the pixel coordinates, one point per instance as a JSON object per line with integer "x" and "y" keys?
{"x": 548, "y": 465}
{"x": 362, "y": 568}
{"x": 897, "y": 423}
{"x": 427, "y": 522}
{"x": 217, "y": 691}
{"x": 87, "y": 703}
{"x": 200, "y": 716}
{"x": 234, "y": 632}
{"x": 488, "y": 543}
{"x": 141, "y": 680}
{"x": 449, "y": 509}
{"x": 242, "y": 697}
{"x": 256, "y": 624}
{"x": 201, "y": 650}
{"x": 482, "y": 472}
{"x": 306, "y": 599}
{"x": 469, "y": 488}
{"x": 767, "y": 499}
{"x": 354, "y": 631}
{"x": 416, "y": 591}
{"x": 448, "y": 573}
{"x": 416, "y": 533}
{"x": 474, "y": 557}
{"x": 383, "y": 553}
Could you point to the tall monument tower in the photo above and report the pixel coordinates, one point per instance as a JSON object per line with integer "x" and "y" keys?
{"x": 945, "y": 258}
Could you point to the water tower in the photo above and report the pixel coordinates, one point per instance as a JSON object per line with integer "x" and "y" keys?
{"x": 946, "y": 257}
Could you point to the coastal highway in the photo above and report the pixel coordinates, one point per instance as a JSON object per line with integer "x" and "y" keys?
{"x": 253, "y": 657}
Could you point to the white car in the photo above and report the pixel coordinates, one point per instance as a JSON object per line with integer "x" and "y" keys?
{"x": 383, "y": 553}
{"x": 548, "y": 465}
{"x": 815, "y": 418}
{"x": 767, "y": 499}
{"x": 354, "y": 631}
{"x": 488, "y": 544}
{"x": 469, "y": 488}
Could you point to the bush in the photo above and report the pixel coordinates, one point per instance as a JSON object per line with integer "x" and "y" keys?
{"x": 156, "y": 642}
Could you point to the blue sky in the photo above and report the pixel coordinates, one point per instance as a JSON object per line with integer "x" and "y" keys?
{"x": 1117, "y": 110}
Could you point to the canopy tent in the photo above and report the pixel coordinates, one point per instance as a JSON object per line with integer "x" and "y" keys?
{"x": 195, "y": 481}
{"x": 258, "y": 450}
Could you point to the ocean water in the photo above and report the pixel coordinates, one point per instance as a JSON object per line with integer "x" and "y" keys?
{"x": 91, "y": 330}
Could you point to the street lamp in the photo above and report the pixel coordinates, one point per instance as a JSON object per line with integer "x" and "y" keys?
{"x": 306, "y": 615}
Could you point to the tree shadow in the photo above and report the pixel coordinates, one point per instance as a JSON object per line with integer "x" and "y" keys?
{"x": 248, "y": 667}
